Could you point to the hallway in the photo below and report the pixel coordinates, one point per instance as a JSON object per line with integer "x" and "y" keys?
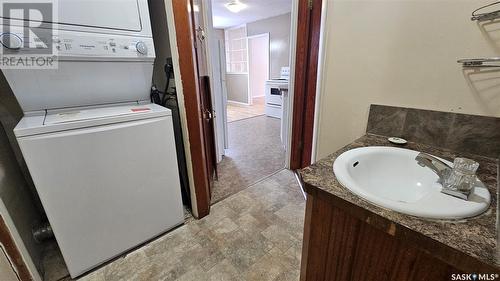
{"x": 255, "y": 152}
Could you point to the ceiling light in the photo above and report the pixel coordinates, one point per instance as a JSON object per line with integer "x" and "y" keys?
{"x": 235, "y": 6}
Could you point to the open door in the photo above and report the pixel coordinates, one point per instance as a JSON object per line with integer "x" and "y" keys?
{"x": 208, "y": 113}
{"x": 196, "y": 93}
{"x": 222, "y": 69}
{"x": 207, "y": 110}
{"x": 208, "y": 129}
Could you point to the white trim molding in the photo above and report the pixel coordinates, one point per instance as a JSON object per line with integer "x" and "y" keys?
{"x": 291, "y": 82}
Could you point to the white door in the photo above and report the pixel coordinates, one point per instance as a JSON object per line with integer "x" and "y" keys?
{"x": 216, "y": 70}
{"x": 258, "y": 65}
{"x": 222, "y": 63}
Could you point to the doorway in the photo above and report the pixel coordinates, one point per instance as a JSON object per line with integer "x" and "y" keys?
{"x": 255, "y": 52}
{"x": 258, "y": 74}
{"x": 295, "y": 38}
{"x": 258, "y": 65}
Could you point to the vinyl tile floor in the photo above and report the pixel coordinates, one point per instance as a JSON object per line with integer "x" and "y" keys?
{"x": 255, "y": 151}
{"x": 255, "y": 234}
{"x": 53, "y": 263}
{"x": 256, "y": 159}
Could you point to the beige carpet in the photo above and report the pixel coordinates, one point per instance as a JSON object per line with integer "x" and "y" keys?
{"x": 237, "y": 112}
{"x": 255, "y": 152}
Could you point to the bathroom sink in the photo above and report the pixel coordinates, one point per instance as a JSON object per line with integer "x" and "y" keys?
{"x": 391, "y": 178}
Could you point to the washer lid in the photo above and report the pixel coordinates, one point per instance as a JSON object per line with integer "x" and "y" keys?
{"x": 93, "y": 114}
{"x": 85, "y": 117}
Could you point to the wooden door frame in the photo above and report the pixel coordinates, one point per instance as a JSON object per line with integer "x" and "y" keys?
{"x": 191, "y": 94}
{"x": 306, "y": 60}
{"x": 305, "y": 82}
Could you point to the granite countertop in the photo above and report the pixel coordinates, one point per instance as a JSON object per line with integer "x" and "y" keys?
{"x": 457, "y": 240}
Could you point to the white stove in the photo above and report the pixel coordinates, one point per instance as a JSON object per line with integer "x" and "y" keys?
{"x": 275, "y": 90}
{"x": 277, "y": 101}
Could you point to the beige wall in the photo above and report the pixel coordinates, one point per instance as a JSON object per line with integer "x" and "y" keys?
{"x": 237, "y": 87}
{"x": 161, "y": 39}
{"x": 401, "y": 53}
{"x": 219, "y": 33}
{"x": 279, "y": 40}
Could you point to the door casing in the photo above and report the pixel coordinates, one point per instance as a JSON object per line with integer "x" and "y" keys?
{"x": 303, "y": 114}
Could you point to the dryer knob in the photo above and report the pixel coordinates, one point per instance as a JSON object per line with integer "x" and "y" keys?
{"x": 142, "y": 48}
{"x": 11, "y": 41}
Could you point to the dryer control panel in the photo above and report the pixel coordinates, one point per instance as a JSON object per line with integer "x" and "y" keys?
{"x": 109, "y": 46}
{"x": 82, "y": 45}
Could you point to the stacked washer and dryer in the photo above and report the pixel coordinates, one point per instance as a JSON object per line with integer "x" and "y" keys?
{"x": 102, "y": 157}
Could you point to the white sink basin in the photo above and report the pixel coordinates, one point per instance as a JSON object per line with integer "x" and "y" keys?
{"x": 391, "y": 178}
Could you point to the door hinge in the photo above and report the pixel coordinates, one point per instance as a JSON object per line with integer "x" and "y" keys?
{"x": 200, "y": 33}
{"x": 310, "y": 4}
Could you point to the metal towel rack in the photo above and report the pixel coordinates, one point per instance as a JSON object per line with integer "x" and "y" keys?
{"x": 480, "y": 62}
{"x": 486, "y": 15}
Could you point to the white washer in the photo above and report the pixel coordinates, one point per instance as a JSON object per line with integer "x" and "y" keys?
{"x": 102, "y": 158}
{"x": 107, "y": 178}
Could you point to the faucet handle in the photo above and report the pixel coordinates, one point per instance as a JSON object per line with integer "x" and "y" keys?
{"x": 465, "y": 165}
{"x": 462, "y": 177}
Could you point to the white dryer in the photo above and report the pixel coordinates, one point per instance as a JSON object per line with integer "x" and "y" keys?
{"x": 101, "y": 156}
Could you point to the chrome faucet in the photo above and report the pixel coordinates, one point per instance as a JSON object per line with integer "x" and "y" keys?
{"x": 439, "y": 167}
{"x": 452, "y": 185}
